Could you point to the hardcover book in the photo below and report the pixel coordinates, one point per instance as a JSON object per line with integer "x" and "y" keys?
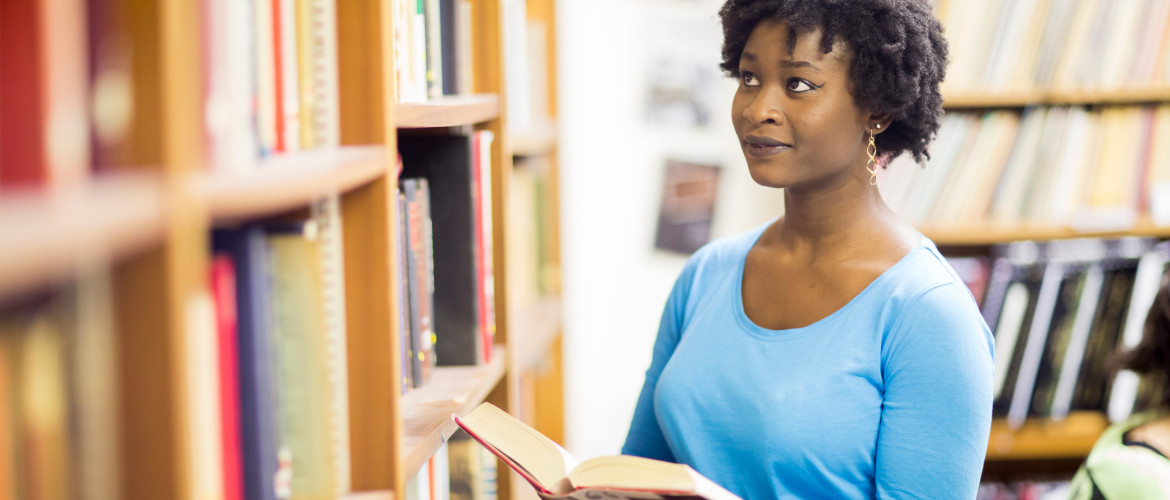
{"x": 556, "y": 474}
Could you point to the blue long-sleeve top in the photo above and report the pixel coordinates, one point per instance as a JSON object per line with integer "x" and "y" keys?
{"x": 888, "y": 397}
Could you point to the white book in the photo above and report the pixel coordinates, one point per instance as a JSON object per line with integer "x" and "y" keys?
{"x": 325, "y": 99}
{"x": 1007, "y": 331}
{"x": 1013, "y": 26}
{"x": 1016, "y": 178}
{"x": 1150, "y": 40}
{"x": 1151, "y": 268}
{"x": 940, "y": 168}
{"x": 328, "y": 217}
{"x": 1121, "y": 47}
{"x": 1034, "y": 349}
{"x": 1079, "y": 338}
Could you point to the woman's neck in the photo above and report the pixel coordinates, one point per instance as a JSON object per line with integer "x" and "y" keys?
{"x": 1155, "y": 433}
{"x": 835, "y": 218}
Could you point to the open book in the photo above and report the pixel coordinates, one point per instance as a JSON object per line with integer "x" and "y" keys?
{"x": 558, "y": 475}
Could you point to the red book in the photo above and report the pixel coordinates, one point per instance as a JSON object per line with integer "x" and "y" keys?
{"x": 481, "y": 176}
{"x": 278, "y": 73}
{"x": 22, "y": 153}
{"x": 223, "y": 291}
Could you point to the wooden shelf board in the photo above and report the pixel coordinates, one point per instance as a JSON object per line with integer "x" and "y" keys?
{"x": 368, "y": 495}
{"x": 990, "y": 234}
{"x": 283, "y": 183}
{"x": 50, "y": 235}
{"x": 448, "y": 111}
{"x": 1072, "y": 437}
{"x": 539, "y": 141}
{"x": 427, "y": 410}
{"x": 1019, "y": 99}
{"x": 536, "y": 327}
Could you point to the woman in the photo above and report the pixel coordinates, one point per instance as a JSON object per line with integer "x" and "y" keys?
{"x": 1130, "y": 460}
{"x": 831, "y": 353}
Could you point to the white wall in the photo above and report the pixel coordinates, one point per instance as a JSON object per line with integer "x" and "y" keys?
{"x": 615, "y": 283}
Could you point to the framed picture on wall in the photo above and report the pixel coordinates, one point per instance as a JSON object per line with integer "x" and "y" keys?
{"x": 687, "y": 208}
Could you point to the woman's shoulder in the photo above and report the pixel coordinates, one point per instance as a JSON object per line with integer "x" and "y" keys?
{"x": 922, "y": 271}
{"x": 726, "y": 251}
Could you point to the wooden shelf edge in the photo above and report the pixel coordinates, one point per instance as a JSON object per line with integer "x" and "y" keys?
{"x": 286, "y": 182}
{"x": 448, "y": 111}
{"x": 537, "y": 142}
{"x": 1041, "y": 439}
{"x": 1019, "y": 99}
{"x": 52, "y": 234}
{"x": 426, "y": 411}
{"x": 536, "y": 327}
{"x": 368, "y": 495}
{"x": 991, "y": 234}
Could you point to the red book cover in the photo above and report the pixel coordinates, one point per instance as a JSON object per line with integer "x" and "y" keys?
{"x": 22, "y": 155}
{"x": 485, "y": 279}
{"x": 278, "y": 73}
{"x": 223, "y": 290}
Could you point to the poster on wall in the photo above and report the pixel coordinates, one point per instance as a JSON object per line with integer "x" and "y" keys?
{"x": 682, "y": 71}
{"x": 687, "y": 208}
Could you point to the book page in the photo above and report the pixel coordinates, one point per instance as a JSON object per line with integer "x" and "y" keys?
{"x": 629, "y": 472}
{"x": 629, "y": 476}
{"x": 545, "y": 460}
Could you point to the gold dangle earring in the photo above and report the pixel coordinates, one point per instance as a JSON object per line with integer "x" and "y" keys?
{"x": 871, "y": 150}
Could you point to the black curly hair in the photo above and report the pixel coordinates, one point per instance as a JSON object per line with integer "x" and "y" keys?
{"x": 898, "y": 50}
{"x": 1151, "y": 357}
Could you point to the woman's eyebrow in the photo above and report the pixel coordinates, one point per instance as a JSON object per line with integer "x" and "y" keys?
{"x": 790, "y": 63}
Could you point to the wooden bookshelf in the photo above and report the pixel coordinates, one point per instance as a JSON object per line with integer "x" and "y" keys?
{"x": 1072, "y": 437}
{"x": 287, "y": 182}
{"x": 448, "y": 111}
{"x": 427, "y": 410}
{"x": 1026, "y": 98}
{"x": 54, "y": 233}
{"x": 991, "y": 234}
{"x": 147, "y": 217}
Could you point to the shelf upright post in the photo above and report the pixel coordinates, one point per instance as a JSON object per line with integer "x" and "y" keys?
{"x": 154, "y": 292}
{"x": 365, "y": 31}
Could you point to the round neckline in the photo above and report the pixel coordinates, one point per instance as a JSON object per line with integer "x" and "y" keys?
{"x": 786, "y": 334}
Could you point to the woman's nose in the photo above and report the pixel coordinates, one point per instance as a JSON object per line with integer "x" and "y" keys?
{"x": 764, "y": 107}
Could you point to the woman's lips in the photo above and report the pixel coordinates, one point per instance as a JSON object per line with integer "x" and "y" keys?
{"x": 766, "y": 150}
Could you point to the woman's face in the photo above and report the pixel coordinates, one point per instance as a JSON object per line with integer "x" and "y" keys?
{"x": 795, "y": 117}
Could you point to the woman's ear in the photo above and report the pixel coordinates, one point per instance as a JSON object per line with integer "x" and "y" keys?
{"x": 879, "y": 122}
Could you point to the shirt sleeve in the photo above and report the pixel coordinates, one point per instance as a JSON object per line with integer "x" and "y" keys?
{"x": 936, "y": 414}
{"x": 645, "y": 438}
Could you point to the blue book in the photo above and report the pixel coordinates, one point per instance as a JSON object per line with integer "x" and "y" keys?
{"x": 258, "y": 430}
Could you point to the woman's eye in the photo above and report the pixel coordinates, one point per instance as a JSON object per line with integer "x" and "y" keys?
{"x": 799, "y": 85}
{"x": 748, "y": 79}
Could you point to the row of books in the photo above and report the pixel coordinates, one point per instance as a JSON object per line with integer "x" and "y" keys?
{"x": 432, "y": 48}
{"x": 447, "y": 290}
{"x": 269, "y": 85}
{"x": 460, "y": 470}
{"x": 270, "y": 78}
{"x": 59, "y": 429}
{"x": 1055, "y": 166}
{"x": 265, "y": 374}
{"x": 1059, "y": 311}
{"x": 273, "y": 421}
{"x": 1020, "y": 45}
